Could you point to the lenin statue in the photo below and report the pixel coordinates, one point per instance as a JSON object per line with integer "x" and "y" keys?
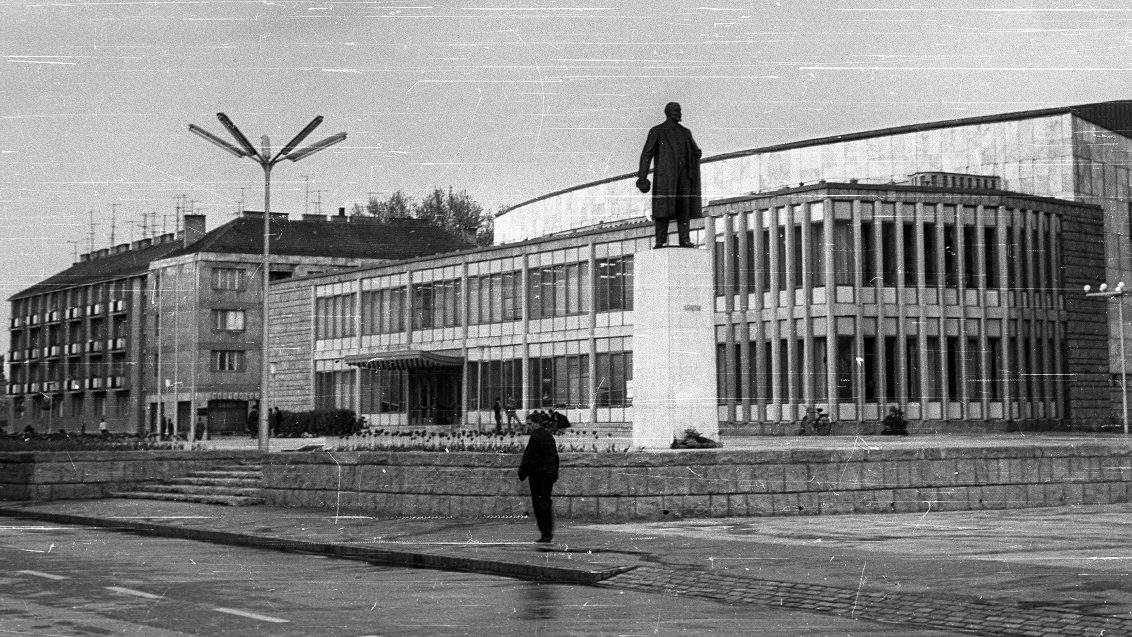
{"x": 676, "y": 187}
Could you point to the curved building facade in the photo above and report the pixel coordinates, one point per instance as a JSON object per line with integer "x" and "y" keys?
{"x": 951, "y": 301}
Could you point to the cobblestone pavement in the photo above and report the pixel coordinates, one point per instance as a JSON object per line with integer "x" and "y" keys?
{"x": 980, "y": 617}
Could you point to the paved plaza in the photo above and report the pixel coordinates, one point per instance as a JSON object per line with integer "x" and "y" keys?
{"x": 1050, "y": 571}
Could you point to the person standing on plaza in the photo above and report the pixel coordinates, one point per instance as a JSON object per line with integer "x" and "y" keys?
{"x": 498, "y": 409}
{"x": 540, "y": 467}
{"x": 103, "y": 430}
{"x": 676, "y": 177}
{"x": 511, "y": 414}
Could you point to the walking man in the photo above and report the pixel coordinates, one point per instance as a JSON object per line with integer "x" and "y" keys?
{"x": 540, "y": 466}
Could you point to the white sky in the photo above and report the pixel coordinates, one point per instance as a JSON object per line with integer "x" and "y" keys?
{"x": 508, "y": 101}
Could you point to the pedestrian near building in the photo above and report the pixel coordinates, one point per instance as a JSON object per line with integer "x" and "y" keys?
{"x": 498, "y": 409}
{"x": 511, "y": 413}
{"x": 540, "y": 467}
{"x": 103, "y": 430}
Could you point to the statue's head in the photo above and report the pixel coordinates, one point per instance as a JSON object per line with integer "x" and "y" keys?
{"x": 672, "y": 111}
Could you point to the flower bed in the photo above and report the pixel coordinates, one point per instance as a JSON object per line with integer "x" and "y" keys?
{"x": 569, "y": 440}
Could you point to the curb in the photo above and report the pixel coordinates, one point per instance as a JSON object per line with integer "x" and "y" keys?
{"x": 383, "y": 557}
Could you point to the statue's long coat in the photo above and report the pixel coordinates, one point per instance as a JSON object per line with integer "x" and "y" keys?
{"x": 663, "y": 144}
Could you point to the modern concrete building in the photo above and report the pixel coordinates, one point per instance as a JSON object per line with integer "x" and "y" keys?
{"x": 1077, "y": 153}
{"x": 945, "y": 295}
{"x": 170, "y": 327}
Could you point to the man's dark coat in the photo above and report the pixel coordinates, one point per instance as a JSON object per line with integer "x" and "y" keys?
{"x": 540, "y": 457}
{"x": 664, "y": 143}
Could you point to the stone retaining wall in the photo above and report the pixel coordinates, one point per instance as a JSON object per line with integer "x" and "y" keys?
{"x": 651, "y": 486}
{"x": 41, "y": 476}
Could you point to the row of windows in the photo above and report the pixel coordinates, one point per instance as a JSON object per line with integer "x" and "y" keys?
{"x": 553, "y": 381}
{"x": 952, "y": 254}
{"x": 553, "y": 291}
{"x": 73, "y": 297}
{"x": 933, "y": 373}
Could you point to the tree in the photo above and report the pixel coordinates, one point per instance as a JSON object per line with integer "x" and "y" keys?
{"x": 454, "y": 211}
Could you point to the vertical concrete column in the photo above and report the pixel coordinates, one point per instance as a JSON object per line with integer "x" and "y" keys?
{"x": 674, "y": 375}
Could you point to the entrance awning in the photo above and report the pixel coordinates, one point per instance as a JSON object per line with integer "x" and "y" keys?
{"x": 403, "y": 359}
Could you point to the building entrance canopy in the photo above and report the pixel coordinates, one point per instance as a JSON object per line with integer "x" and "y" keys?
{"x": 404, "y": 359}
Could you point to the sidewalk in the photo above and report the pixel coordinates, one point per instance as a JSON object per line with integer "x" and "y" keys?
{"x": 1010, "y": 572}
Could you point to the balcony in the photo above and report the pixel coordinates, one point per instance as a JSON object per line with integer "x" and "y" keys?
{"x": 33, "y": 319}
{"x": 53, "y": 350}
{"x": 15, "y": 355}
{"x": 116, "y": 382}
{"x": 15, "y": 322}
{"x": 118, "y": 306}
{"x": 94, "y": 383}
{"x": 74, "y": 313}
{"x": 73, "y": 384}
{"x": 53, "y": 316}
{"x": 117, "y": 344}
{"x": 95, "y": 308}
{"x": 95, "y": 346}
{"x": 75, "y": 348}
{"x": 51, "y": 385}
{"x": 15, "y": 388}
{"x": 33, "y": 388}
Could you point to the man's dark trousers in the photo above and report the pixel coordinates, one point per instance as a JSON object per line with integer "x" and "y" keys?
{"x": 541, "y": 503}
{"x": 681, "y": 212}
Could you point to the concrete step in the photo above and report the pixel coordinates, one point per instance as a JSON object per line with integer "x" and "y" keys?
{"x": 230, "y": 500}
{"x": 199, "y": 490}
{"x": 217, "y": 482}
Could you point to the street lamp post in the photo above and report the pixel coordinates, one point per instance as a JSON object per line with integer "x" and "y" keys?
{"x": 266, "y": 161}
{"x": 1117, "y": 294}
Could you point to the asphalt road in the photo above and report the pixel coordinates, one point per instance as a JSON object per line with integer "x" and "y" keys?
{"x": 64, "y": 580}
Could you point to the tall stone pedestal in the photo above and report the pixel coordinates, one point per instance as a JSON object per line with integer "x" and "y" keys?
{"x": 674, "y": 383}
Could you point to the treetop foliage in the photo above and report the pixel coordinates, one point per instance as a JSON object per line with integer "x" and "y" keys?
{"x": 454, "y": 211}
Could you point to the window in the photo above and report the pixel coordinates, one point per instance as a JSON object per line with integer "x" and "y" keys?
{"x": 888, "y": 253}
{"x": 335, "y": 317}
{"x": 976, "y": 384}
{"x": 952, "y": 355}
{"x": 990, "y": 256}
{"x": 491, "y": 380}
{"x": 821, "y": 369}
{"x": 334, "y": 390}
{"x": 970, "y": 257}
{"x": 436, "y": 304}
{"x": 383, "y": 311}
{"x": 843, "y": 258}
{"x": 614, "y": 372}
{"x": 934, "y": 390}
{"x": 228, "y": 279}
{"x": 910, "y": 266}
{"x": 950, "y": 257}
{"x": 931, "y": 256}
{"x": 229, "y": 360}
{"x": 614, "y": 285}
{"x": 798, "y": 255}
{"x": 764, "y": 259}
{"x": 229, "y": 320}
{"x": 869, "y": 367}
{"x": 383, "y": 391}
{"x": 890, "y": 368}
{"x": 557, "y": 290}
{"x": 560, "y": 380}
{"x": 845, "y": 368}
{"x": 994, "y": 368}
{"x": 912, "y": 364}
{"x": 868, "y": 254}
{"x": 817, "y": 254}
